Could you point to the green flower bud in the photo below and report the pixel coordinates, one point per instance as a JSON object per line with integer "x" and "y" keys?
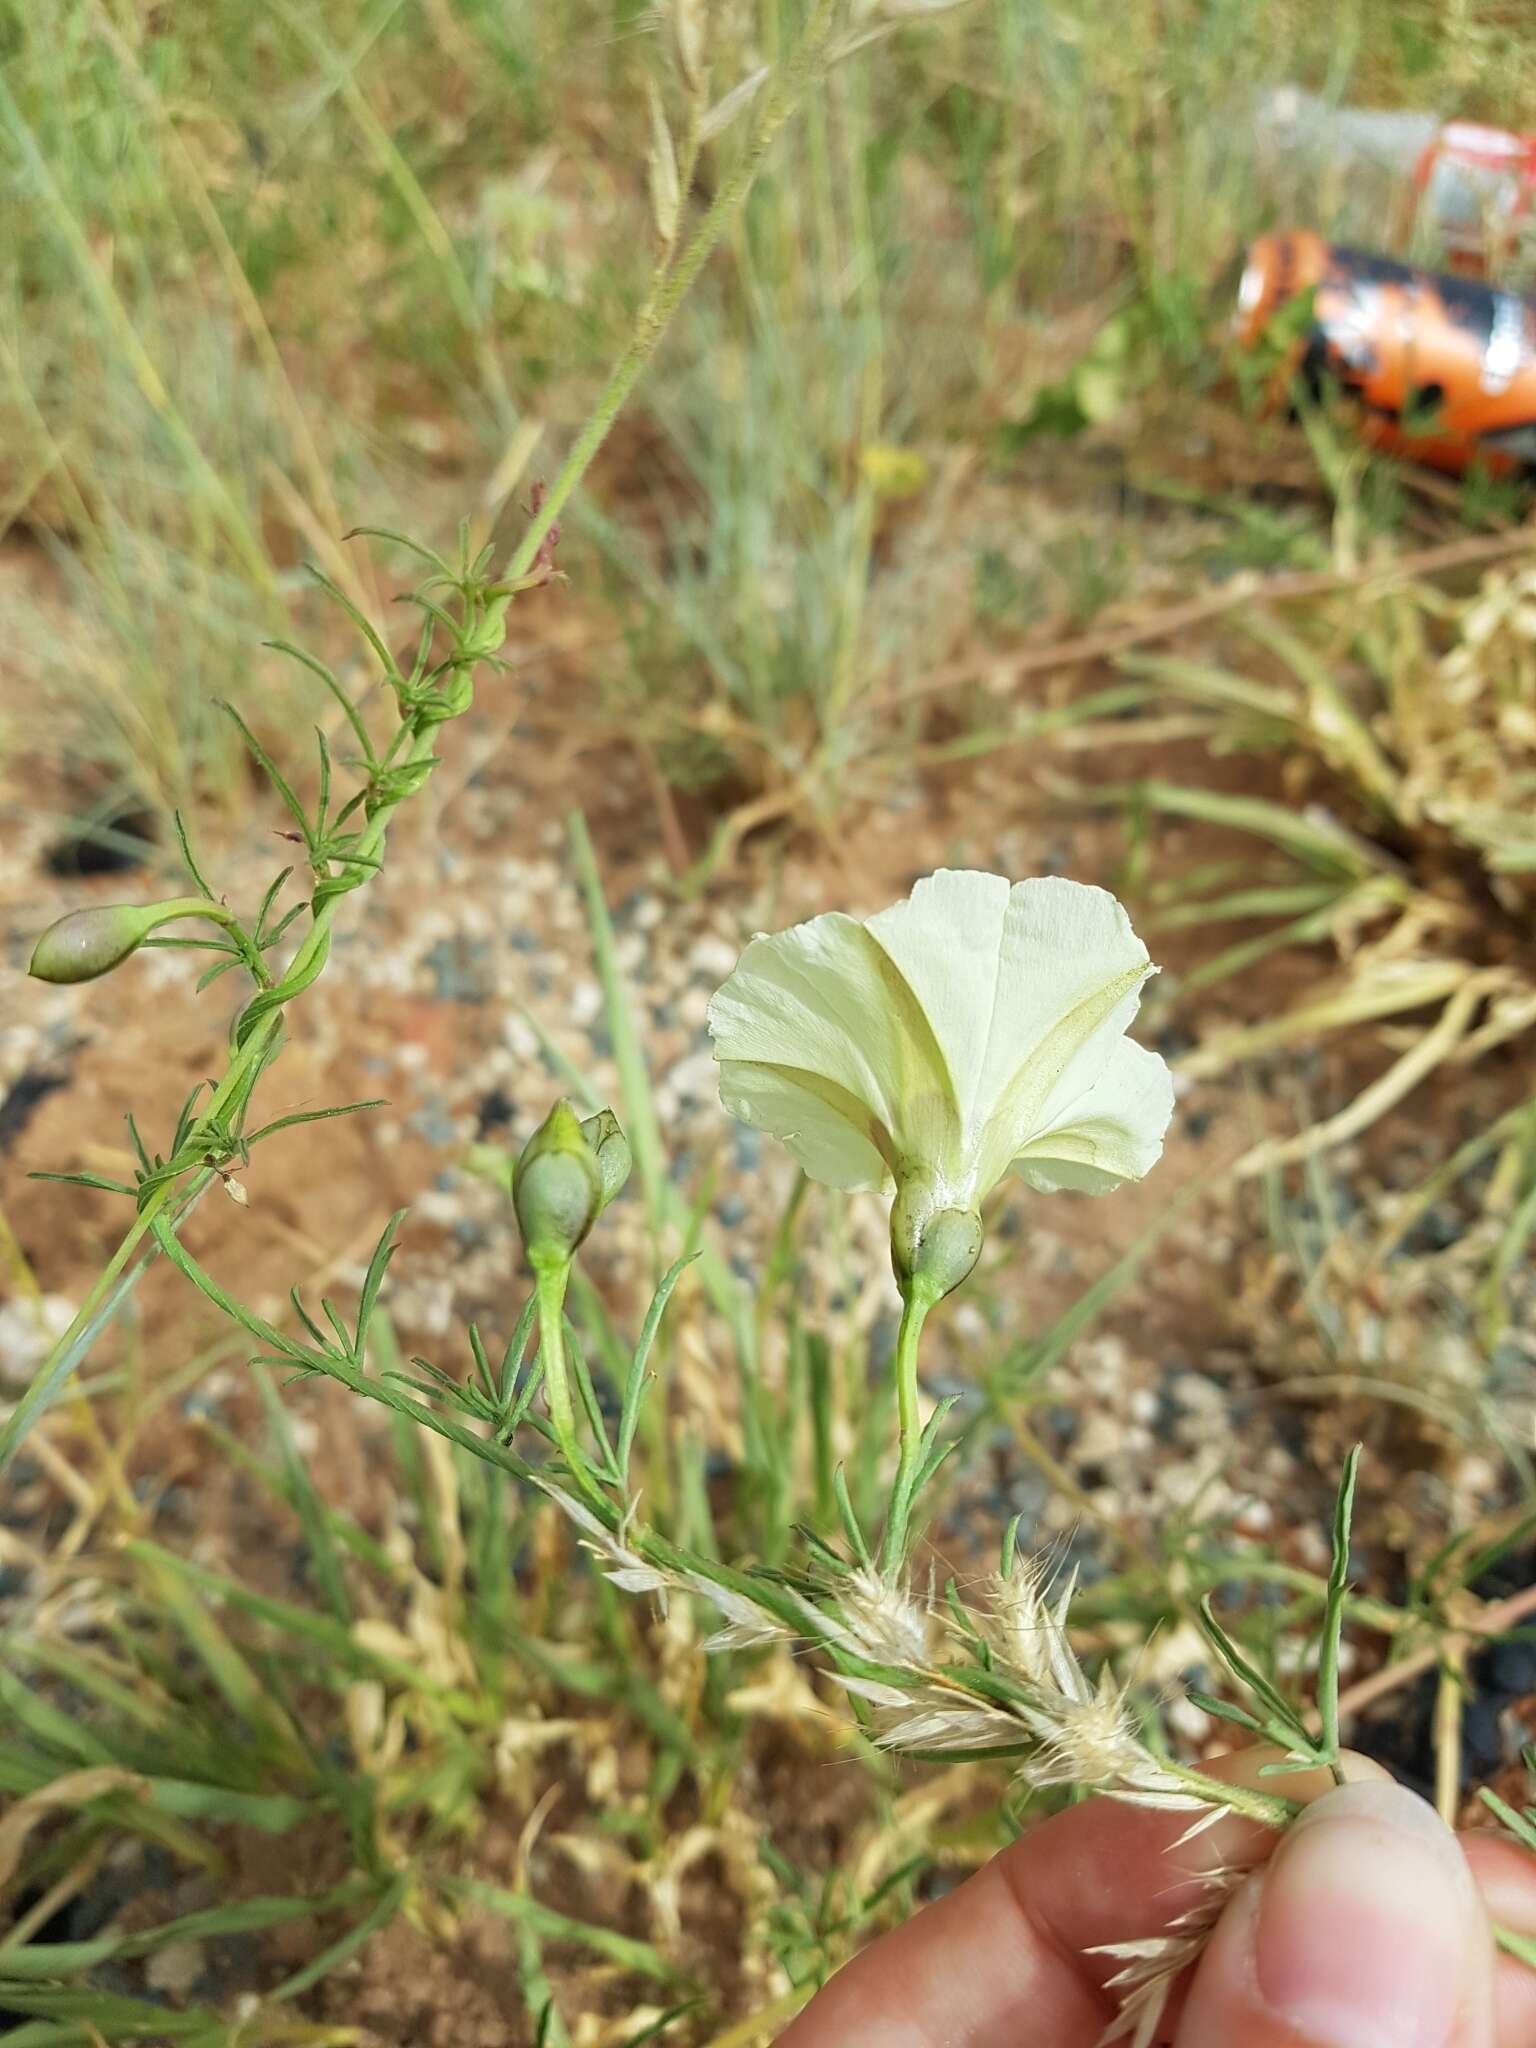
{"x": 933, "y": 1250}
{"x": 88, "y": 943}
{"x": 610, "y": 1147}
{"x": 557, "y": 1188}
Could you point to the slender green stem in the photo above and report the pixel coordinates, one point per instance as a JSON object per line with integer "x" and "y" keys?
{"x": 196, "y": 906}
{"x": 914, "y": 1312}
{"x": 219, "y": 913}
{"x": 671, "y": 283}
{"x": 552, "y": 1276}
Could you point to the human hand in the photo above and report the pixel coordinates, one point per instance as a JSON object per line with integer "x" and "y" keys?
{"x": 1365, "y": 1925}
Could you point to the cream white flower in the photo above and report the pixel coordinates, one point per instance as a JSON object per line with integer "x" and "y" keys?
{"x": 973, "y": 1030}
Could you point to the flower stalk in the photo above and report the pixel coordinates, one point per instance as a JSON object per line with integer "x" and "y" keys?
{"x": 552, "y": 1274}
{"x": 917, "y": 1299}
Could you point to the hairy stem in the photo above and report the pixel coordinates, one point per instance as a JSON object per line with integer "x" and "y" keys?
{"x": 1271, "y": 1809}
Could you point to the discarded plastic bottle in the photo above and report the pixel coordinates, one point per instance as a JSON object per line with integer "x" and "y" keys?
{"x": 1443, "y": 190}
{"x": 1444, "y": 368}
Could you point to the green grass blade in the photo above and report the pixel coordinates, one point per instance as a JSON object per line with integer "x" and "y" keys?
{"x": 641, "y": 1126}
{"x": 622, "y": 1949}
{"x": 330, "y": 1573}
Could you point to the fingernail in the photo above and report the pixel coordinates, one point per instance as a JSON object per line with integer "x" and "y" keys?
{"x": 1365, "y": 1914}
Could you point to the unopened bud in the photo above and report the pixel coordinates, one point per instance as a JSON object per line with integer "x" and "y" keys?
{"x": 557, "y": 1188}
{"x": 610, "y": 1148}
{"x": 88, "y": 943}
{"x": 933, "y": 1250}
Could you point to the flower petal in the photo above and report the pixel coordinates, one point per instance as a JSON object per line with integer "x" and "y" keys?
{"x": 824, "y": 1009}
{"x": 949, "y": 939}
{"x": 834, "y": 1148}
{"x": 974, "y": 1028}
{"x": 1020, "y": 984}
{"x": 1112, "y": 1132}
{"x": 1070, "y": 984}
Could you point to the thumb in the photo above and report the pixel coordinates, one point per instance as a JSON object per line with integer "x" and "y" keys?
{"x": 1364, "y": 1930}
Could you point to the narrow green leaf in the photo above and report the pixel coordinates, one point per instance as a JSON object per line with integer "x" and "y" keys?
{"x": 189, "y": 862}
{"x": 84, "y": 2015}
{"x": 1248, "y": 1673}
{"x": 59, "y": 1732}
{"x": 382, "y": 1912}
{"x": 589, "y": 1401}
{"x": 144, "y": 1159}
{"x": 1521, "y": 1946}
{"x": 1221, "y": 1709}
{"x": 373, "y": 1280}
{"x": 1521, "y": 1825}
{"x": 272, "y": 772}
{"x": 1333, "y": 1612}
{"x": 330, "y": 1573}
{"x": 634, "y": 1390}
{"x": 658, "y": 2026}
{"x": 208, "y": 978}
{"x": 482, "y": 1362}
{"x": 622, "y": 1949}
{"x": 640, "y": 1121}
{"x": 348, "y": 708}
{"x": 363, "y": 624}
{"x": 302, "y": 1623}
{"x": 401, "y": 540}
{"x": 86, "y": 1180}
{"x": 850, "y": 1520}
{"x": 323, "y": 795}
{"x": 517, "y": 1349}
